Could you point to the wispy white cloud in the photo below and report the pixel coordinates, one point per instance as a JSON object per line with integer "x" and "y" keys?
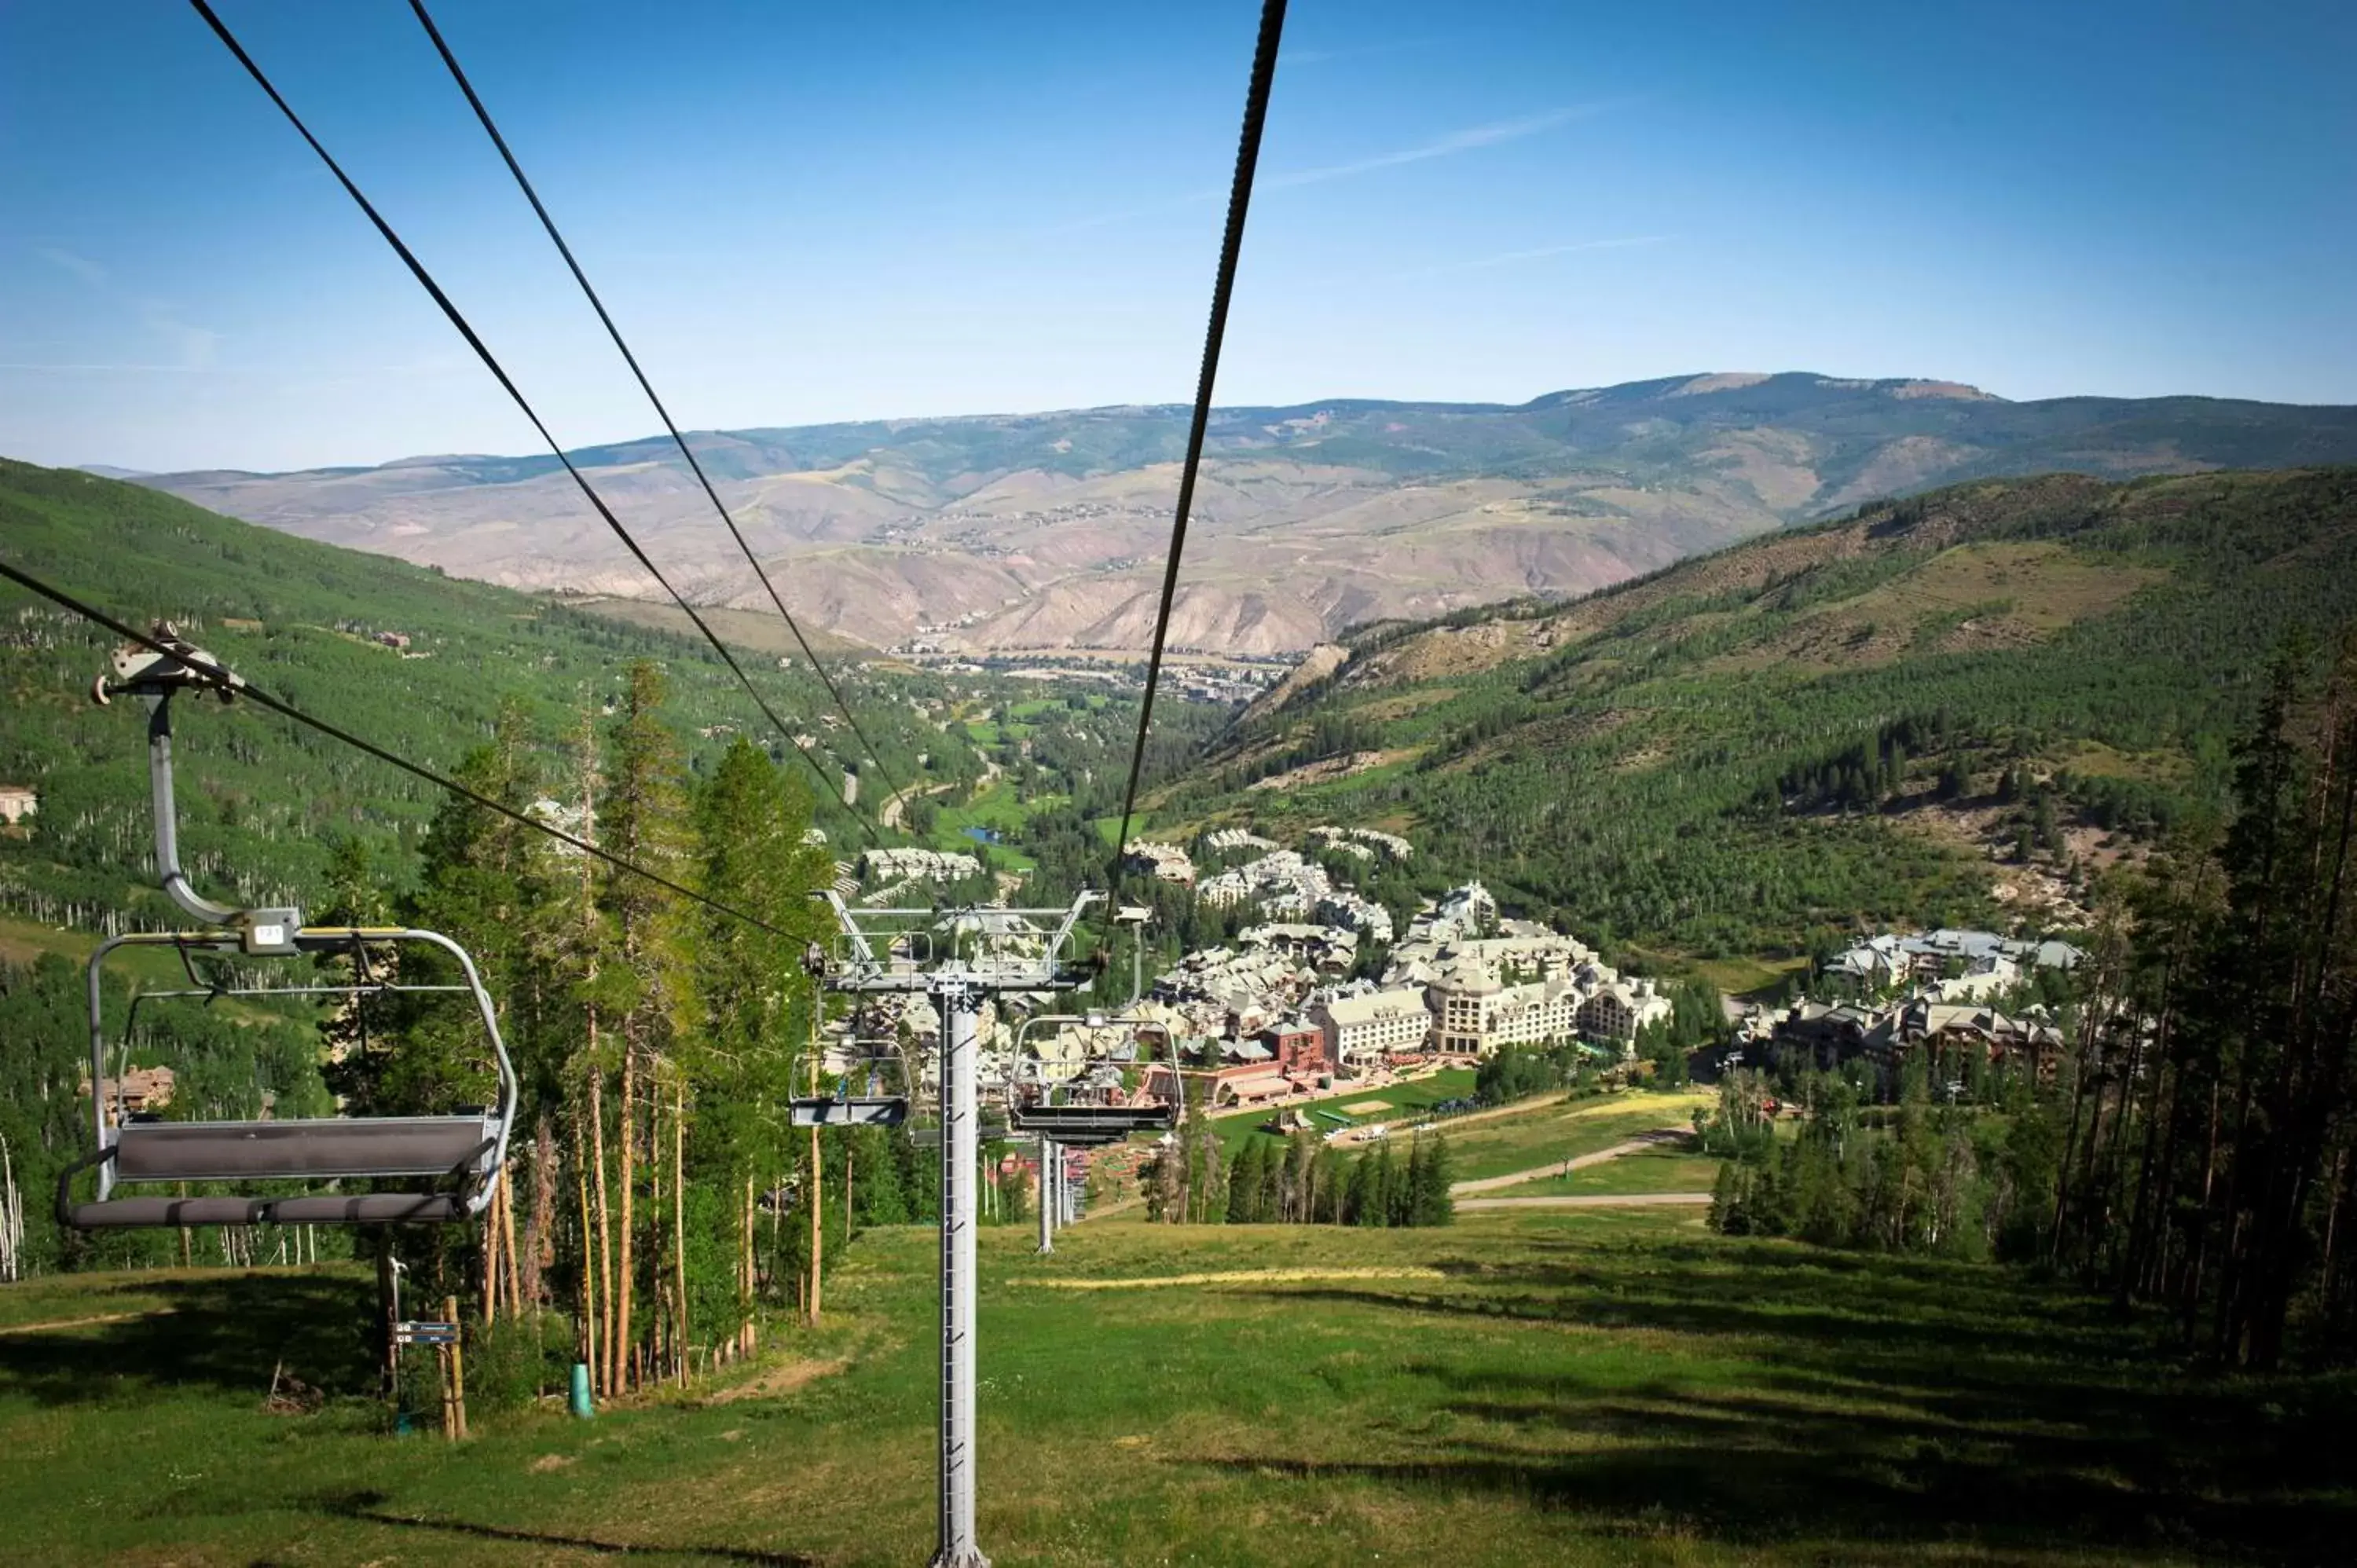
{"x": 1540, "y": 252}
{"x": 83, "y": 267}
{"x": 363, "y": 375}
{"x": 1152, "y": 208}
{"x": 1470, "y": 139}
{"x": 196, "y": 344}
{"x": 191, "y": 347}
{"x": 83, "y": 368}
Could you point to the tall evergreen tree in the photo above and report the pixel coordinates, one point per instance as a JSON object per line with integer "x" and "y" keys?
{"x": 643, "y": 823}
{"x": 1435, "y": 1204}
{"x": 744, "y": 1022}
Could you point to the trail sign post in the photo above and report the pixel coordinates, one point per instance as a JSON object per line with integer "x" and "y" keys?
{"x": 449, "y": 1351}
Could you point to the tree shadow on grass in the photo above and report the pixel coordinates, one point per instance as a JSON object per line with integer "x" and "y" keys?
{"x": 228, "y": 1331}
{"x": 1886, "y": 1401}
{"x": 1756, "y": 1498}
{"x": 373, "y": 1507}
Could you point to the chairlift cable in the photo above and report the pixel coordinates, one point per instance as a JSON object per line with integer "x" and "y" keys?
{"x": 556, "y": 238}
{"x": 279, "y": 706}
{"x": 490, "y": 362}
{"x": 1264, "y": 74}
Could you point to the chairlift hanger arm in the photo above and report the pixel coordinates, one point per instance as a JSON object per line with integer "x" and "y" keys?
{"x": 1072, "y": 917}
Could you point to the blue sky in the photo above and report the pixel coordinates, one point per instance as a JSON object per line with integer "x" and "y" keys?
{"x": 805, "y": 213}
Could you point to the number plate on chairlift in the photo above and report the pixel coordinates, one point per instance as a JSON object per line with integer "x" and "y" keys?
{"x": 858, "y": 1111}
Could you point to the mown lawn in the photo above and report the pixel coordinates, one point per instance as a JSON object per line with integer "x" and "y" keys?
{"x": 1520, "y": 1389}
{"x": 1564, "y": 1130}
{"x": 1398, "y": 1103}
{"x": 1669, "y": 1167}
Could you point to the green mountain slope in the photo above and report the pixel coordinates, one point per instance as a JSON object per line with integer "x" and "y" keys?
{"x": 1922, "y": 712}
{"x": 263, "y": 800}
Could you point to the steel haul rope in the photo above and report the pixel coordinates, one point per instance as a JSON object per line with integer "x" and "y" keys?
{"x": 548, "y": 223}
{"x": 490, "y": 362}
{"x": 1264, "y": 75}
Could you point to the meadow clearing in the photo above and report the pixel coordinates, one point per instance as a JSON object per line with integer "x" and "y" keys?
{"x": 1596, "y": 1386}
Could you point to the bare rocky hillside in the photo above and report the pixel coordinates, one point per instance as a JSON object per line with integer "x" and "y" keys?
{"x": 1046, "y": 530}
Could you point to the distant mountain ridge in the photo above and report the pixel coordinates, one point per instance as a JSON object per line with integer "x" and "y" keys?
{"x": 1031, "y": 531}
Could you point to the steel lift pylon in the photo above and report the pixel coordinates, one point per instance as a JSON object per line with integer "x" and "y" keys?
{"x": 956, "y": 957}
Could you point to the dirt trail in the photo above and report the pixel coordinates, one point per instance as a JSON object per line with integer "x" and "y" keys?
{"x": 1589, "y": 1200}
{"x": 778, "y": 1382}
{"x": 85, "y": 1322}
{"x": 1571, "y": 1110}
{"x": 1564, "y": 1168}
{"x": 1236, "y": 1277}
{"x": 1119, "y": 1205}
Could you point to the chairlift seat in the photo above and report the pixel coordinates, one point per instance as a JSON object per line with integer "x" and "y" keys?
{"x": 453, "y": 1159}
{"x": 1107, "y": 1123}
{"x": 358, "y": 1209}
{"x": 457, "y": 1157}
{"x": 461, "y": 1147}
{"x": 857, "y": 1111}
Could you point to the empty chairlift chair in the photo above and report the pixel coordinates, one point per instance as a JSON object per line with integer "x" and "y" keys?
{"x": 1085, "y": 1126}
{"x": 452, "y": 1161}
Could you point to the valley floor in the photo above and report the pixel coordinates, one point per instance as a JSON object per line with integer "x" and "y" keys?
{"x": 1592, "y": 1386}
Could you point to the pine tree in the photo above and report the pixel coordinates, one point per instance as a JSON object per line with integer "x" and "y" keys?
{"x": 1361, "y": 1199}
{"x": 1330, "y": 1182}
{"x": 745, "y": 1015}
{"x": 644, "y": 824}
{"x": 1723, "y": 1217}
{"x": 1434, "y": 1203}
{"x": 1244, "y": 1184}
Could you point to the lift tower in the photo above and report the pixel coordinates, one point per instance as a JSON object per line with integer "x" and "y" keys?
{"x": 956, "y": 957}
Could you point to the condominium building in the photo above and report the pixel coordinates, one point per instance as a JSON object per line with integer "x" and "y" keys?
{"x": 1474, "y": 1012}
{"x": 1373, "y": 1024}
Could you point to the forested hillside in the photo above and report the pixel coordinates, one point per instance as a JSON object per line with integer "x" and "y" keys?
{"x": 1925, "y": 711}
{"x": 264, "y": 802}
{"x": 652, "y": 1039}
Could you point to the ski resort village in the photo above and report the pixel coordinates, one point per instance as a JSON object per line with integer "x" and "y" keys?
{"x": 1321, "y": 994}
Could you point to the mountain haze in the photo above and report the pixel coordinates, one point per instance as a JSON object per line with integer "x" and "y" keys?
{"x": 1044, "y": 531}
